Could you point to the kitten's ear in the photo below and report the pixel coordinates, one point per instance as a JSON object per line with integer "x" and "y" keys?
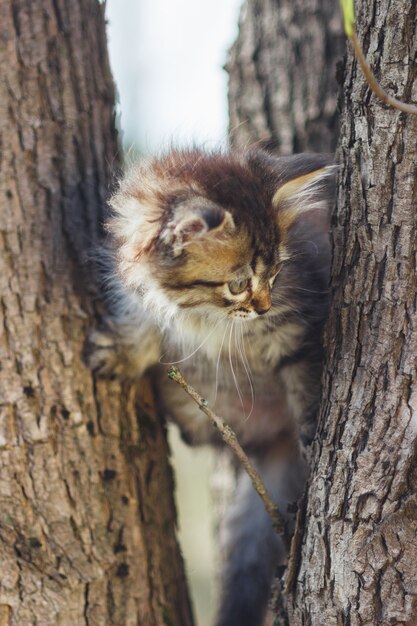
{"x": 306, "y": 194}
{"x": 191, "y": 224}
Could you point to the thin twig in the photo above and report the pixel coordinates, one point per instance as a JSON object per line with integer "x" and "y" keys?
{"x": 374, "y": 85}
{"x": 349, "y": 26}
{"x": 230, "y": 438}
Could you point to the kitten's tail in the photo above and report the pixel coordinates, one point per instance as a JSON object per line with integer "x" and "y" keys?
{"x": 252, "y": 549}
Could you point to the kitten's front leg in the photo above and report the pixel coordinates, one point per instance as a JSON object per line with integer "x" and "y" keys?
{"x": 124, "y": 349}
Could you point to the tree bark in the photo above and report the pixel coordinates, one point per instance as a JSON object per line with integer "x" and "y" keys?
{"x": 87, "y": 520}
{"x": 282, "y": 75}
{"x": 358, "y": 551}
{"x": 353, "y": 555}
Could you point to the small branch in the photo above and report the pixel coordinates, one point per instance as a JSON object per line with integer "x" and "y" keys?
{"x": 349, "y": 26}
{"x": 230, "y": 438}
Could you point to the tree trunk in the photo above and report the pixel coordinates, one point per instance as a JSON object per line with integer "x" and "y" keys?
{"x": 87, "y": 517}
{"x": 354, "y": 552}
{"x": 357, "y": 557}
{"x": 282, "y": 75}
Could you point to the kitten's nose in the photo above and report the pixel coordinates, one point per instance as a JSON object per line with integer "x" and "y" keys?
{"x": 262, "y": 301}
{"x": 262, "y": 311}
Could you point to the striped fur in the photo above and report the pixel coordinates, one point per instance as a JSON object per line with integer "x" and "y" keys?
{"x": 188, "y": 230}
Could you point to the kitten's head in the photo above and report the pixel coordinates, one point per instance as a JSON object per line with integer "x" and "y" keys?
{"x": 210, "y": 233}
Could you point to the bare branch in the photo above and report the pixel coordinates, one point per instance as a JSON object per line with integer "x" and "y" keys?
{"x": 374, "y": 85}
{"x": 230, "y": 438}
{"x": 349, "y": 26}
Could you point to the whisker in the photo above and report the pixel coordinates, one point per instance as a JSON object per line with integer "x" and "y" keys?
{"x": 231, "y": 366}
{"x": 313, "y": 244}
{"x": 288, "y": 307}
{"x": 304, "y": 252}
{"x": 294, "y": 287}
{"x": 229, "y": 322}
{"x": 308, "y": 290}
{"x": 295, "y": 256}
{"x": 247, "y": 368}
{"x": 194, "y": 351}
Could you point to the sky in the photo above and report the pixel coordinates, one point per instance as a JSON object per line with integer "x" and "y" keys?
{"x": 167, "y": 58}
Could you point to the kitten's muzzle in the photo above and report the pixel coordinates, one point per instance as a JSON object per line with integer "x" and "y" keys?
{"x": 261, "y": 301}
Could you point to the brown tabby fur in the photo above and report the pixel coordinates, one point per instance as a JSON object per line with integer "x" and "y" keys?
{"x": 186, "y": 228}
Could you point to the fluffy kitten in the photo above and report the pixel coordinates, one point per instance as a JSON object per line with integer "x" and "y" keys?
{"x": 220, "y": 263}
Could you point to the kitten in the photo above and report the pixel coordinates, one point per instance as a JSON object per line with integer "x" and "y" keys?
{"x": 220, "y": 264}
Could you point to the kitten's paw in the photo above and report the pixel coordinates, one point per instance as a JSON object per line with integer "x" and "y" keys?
{"x": 101, "y": 353}
{"x": 118, "y": 352}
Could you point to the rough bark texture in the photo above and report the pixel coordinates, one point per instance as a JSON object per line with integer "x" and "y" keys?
{"x": 358, "y": 553}
{"x": 354, "y": 555}
{"x": 86, "y": 512}
{"x": 282, "y": 70}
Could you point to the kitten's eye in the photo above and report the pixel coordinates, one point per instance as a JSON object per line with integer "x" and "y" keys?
{"x": 238, "y": 286}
